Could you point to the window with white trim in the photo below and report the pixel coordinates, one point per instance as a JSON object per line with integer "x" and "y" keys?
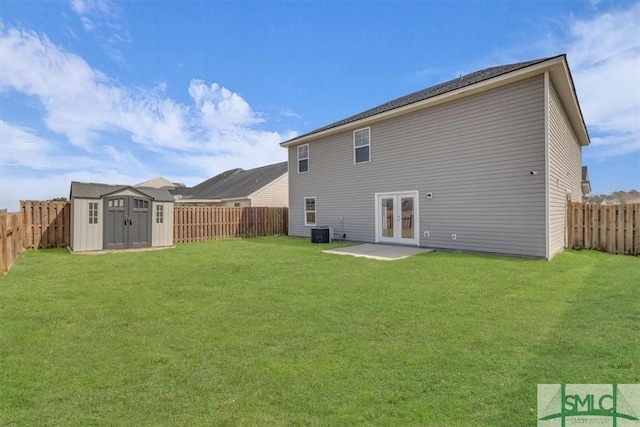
{"x": 309, "y": 211}
{"x": 362, "y": 145}
{"x": 93, "y": 213}
{"x": 303, "y": 158}
{"x": 159, "y": 214}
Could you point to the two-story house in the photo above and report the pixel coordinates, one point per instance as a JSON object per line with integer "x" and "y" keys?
{"x": 484, "y": 162}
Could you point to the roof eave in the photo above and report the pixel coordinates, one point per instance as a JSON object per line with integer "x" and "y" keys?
{"x": 556, "y": 63}
{"x": 561, "y": 78}
{"x": 133, "y": 189}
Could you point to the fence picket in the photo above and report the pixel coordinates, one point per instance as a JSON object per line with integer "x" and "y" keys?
{"x": 609, "y": 228}
{"x": 215, "y": 222}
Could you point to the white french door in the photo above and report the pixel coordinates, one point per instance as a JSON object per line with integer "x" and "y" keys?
{"x": 397, "y": 218}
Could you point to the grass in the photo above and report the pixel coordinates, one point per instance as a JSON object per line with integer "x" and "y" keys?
{"x": 272, "y": 331}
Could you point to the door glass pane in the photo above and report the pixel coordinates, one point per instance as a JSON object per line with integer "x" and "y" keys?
{"x": 387, "y": 217}
{"x": 407, "y": 217}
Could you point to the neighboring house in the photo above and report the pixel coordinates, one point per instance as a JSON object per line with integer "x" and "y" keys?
{"x": 626, "y": 201}
{"x": 586, "y": 183}
{"x": 484, "y": 162}
{"x": 263, "y": 186}
{"x": 159, "y": 182}
{"x": 107, "y": 217}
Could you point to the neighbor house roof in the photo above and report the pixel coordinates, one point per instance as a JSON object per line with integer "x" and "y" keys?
{"x": 461, "y": 86}
{"x": 89, "y": 190}
{"x": 159, "y": 182}
{"x": 233, "y": 184}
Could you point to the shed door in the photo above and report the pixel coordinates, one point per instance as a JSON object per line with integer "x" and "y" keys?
{"x": 127, "y": 222}
{"x": 115, "y": 222}
{"x": 139, "y": 223}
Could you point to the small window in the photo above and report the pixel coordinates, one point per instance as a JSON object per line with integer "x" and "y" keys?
{"x": 303, "y": 158}
{"x": 159, "y": 214}
{"x": 93, "y": 213}
{"x": 236, "y": 204}
{"x": 309, "y": 211}
{"x": 361, "y": 146}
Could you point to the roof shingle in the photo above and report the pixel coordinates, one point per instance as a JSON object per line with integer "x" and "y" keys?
{"x": 234, "y": 183}
{"x": 430, "y": 92}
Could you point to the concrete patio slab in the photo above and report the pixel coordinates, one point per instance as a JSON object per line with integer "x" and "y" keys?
{"x": 379, "y": 252}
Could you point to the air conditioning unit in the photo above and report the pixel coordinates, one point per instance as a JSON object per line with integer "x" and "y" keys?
{"x": 321, "y": 235}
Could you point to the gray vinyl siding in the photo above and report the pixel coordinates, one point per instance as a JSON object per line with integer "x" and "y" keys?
{"x": 275, "y": 194}
{"x": 162, "y": 234}
{"x": 85, "y": 236}
{"x": 475, "y": 155}
{"x": 565, "y": 171}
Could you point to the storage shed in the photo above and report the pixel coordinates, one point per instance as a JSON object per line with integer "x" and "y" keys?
{"x": 105, "y": 217}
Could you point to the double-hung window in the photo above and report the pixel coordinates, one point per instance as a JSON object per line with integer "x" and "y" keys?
{"x": 303, "y": 158}
{"x": 309, "y": 211}
{"x": 362, "y": 145}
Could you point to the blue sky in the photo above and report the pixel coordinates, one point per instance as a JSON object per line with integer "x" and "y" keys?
{"x": 121, "y": 92}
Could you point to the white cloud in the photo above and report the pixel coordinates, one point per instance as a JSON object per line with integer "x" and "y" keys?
{"x": 220, "y": 108}
{"x": 103, "y": 18}
{"x": 604, "y": 56}
{"x": 113, "y": 130}
{"x": 287, "y": 112}
{"x": 79, "y": 6}
{"x": 603, "y": 52}
{"x": 617, "y": 144}
{"x": 19, "y": 146}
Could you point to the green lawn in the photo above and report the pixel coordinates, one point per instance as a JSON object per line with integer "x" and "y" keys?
{"x": 272, "y": 331}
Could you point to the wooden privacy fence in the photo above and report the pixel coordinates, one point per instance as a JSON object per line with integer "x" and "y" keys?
{"x": 38, "y": 225}
{"x": 610, "y": 228}
{"x": 11, "y": 239}
{"x": 195, "y": 223}
{"x": 47, "y": 224}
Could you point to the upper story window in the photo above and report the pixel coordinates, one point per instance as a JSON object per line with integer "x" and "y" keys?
{"x": 309, "y": 211}
{"x": 93, "y": 213}
{"x": 303, "y": 158}
{"x": 362, "y": 145}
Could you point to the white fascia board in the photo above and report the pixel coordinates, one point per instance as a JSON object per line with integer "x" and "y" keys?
{"x": 231, "y": 199}
{"x": 180, "y": 201}
{"x": 127, "y": 192}
{"x": 558, "y": 63}
{"x": 562, "y": 81}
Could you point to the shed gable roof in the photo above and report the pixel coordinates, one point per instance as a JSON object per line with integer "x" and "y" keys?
{"x": 88, "y": 190}
{"x": 461, "y": 84}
